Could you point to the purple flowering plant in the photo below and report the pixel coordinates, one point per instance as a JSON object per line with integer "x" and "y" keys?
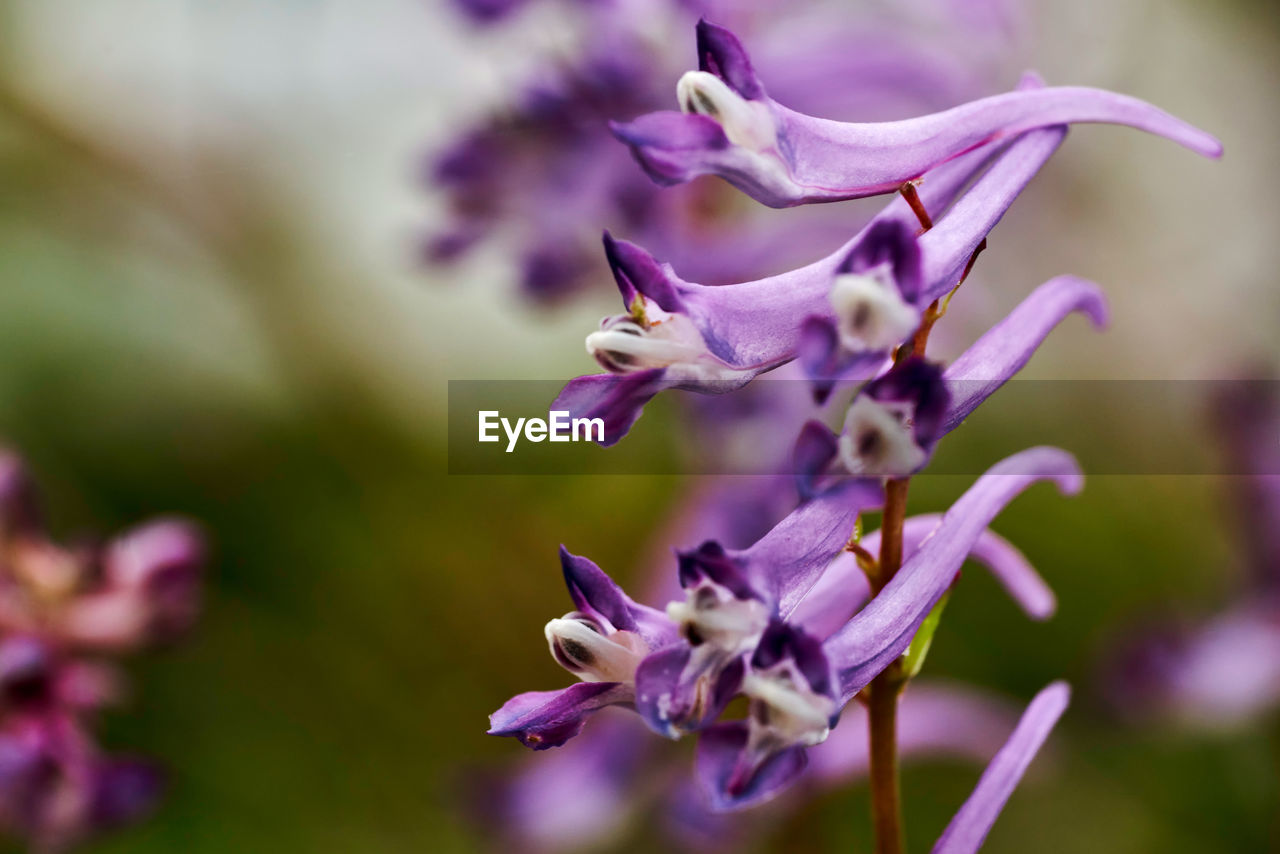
{"x": 775, "y": 647}
{"x": 66, "y": 613}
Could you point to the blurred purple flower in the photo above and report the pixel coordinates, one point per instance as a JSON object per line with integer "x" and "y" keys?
{"x": 62, "y": 611}
{"x": 1225, "y": 671}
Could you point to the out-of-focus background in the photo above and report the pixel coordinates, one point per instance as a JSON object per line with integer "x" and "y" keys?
{"x": 212, "y": 301}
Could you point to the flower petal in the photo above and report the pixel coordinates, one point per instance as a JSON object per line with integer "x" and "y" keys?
{"x": 1009, "y": 566}
{"x": 971, "y": 824}
{"x": 948, "y": 247}
{"x": 727, "y": 783}
{"x": 543, "y": 719}
{"x": 1007, "y": 347}
{"x": 618, "y": 399}
{"x": 884, "y": 628}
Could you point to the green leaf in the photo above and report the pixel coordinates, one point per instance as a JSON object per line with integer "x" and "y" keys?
{"x": 913, "y": 658}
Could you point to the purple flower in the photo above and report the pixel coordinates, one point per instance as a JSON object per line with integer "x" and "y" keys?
{"x": 680, "y": 667}
{"x": 601, "y": 642}
{"x": 841, "y": 315}
{"x": 729, "y": 127}
{"x": 843, "y": 589}
{"x": 56, "y": 789}
{"x": 731, "y": 598}
{"x": 744, "y": 763}
{"x": 57, "y": 606}
{"x": 894, "y": 421}
{"x": 1223, "y": 672}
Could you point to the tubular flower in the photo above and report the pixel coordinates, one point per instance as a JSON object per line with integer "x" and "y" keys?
{"x": 601, "y": 642}
{"x": 841, "y": 315}
{"x": 729, "y": 126}
{"x": 737, "y": 769}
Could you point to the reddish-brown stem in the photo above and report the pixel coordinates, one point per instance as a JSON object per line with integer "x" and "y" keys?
{"x": 886, "y": 806}
{"x": 909, "y": 193}
{"x": 882, "y": 694}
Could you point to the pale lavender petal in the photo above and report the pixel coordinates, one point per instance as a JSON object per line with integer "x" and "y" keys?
{"x": 543, "y": 719}
{"x": 884, "y": 628}
{"x": 969, "y": 827}
{"x": 1008, "y": 346}
{"x": 948, "y": 247}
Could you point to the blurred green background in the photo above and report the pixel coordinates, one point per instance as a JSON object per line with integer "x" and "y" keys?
{"x": 209, "y": 304}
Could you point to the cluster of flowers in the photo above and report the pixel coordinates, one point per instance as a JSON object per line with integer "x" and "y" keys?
{"x": 65, "y": 612}
{"x": 548, "y": 147}
{"x": 813, "y": 614}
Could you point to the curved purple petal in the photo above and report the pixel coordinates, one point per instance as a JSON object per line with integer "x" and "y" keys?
{"x": 592, "y": 590}
{"x": 543, "y": 719}
{"x": 1008, "y": 346}
{"x": 884, "y": 628}
{"x": 1002, "y": 558}
{"x": 843, "y": 589}
{"x": 825, "y": 362}
{"x": 618, "y": 399}
{"x": 971, "y": 824}
{"x": 730, "y": 777}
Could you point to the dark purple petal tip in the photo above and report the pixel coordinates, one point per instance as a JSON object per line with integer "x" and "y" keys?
{"x": 638, "y": 272}
{"x": 593, "y": 590}
{"x": 720, "y": 53}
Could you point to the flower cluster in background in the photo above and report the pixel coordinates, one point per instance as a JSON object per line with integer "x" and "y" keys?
{"x": 542, "y": 174}
{"x": 803, "y": 618}
{"x": 67, "y": 613}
